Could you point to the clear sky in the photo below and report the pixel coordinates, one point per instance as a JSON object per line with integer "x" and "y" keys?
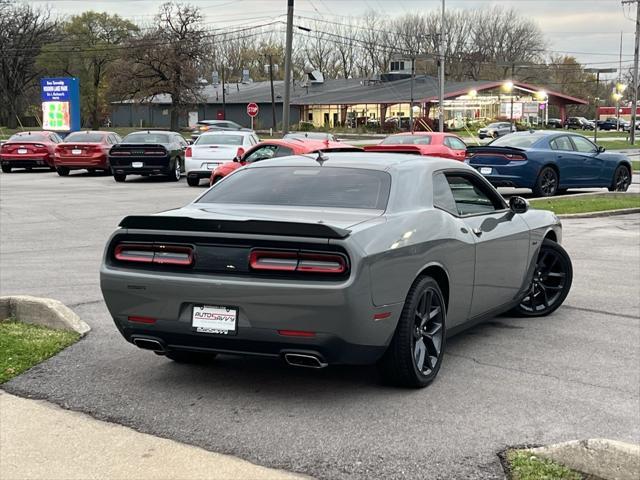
{"x": 588, "y": 29}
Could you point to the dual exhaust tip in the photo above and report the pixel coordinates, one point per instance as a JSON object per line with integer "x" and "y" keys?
{"x": 305, "y": 360}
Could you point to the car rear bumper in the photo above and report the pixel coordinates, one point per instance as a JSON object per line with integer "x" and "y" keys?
{"x": 517, "y": 176}
{"x": 26, "y": 161}
{"x": 81, "y": 162}
{"x": 339, "y": 315}
{"x": 199, "y": 174}
{"x": 148, "y": 166}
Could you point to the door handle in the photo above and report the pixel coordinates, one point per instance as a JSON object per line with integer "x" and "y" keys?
{"x": 477, "y": 232}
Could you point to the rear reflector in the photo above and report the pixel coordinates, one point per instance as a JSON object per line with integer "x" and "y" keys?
{"x": 294, "y": 261}
{"x": 147, "y": 320}
{"x": 163, "y": 254}
{"x": 296, "y": 333}
{"x": 381, "y": 316}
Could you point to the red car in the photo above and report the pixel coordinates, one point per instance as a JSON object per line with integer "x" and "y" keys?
{"x": 85, "y": 150}
{"x": 433, "y": 144}
{"x": 278, "y": 148}
{"x": 34, "y": 149}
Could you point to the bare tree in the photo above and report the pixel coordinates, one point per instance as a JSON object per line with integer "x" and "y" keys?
{"x": 23, "y": 31}
{"x": 167, "y": 59}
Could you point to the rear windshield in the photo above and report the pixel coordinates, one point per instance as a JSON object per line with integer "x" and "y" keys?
{"x": 85, "y": 137}
{"x": 517, "y": 141}
{"x": 219, "y": 140}
{"x": 29, "y": 137}
{"x": 311, "y": 135}
{"x": 144, "y": 137}
{"x": 407, "y": 140}
{"x": 304, "y": 186}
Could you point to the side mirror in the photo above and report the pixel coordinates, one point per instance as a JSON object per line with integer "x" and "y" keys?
{"x": 239, "y": 154}
{"x": 518, "y": 204}
{"x": 601, "y": 149}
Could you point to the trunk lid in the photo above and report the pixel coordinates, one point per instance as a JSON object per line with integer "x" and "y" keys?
{"x": 494, "y": 156}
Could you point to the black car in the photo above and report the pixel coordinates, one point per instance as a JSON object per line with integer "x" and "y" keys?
{"x": 148, "y": 153}
{"x": 554, "y": 123}
{"x": 579, "y": 123}
{"x": 612, "y": 123}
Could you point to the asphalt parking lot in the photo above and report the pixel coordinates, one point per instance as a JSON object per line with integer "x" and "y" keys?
{"x": 511, "y": 381}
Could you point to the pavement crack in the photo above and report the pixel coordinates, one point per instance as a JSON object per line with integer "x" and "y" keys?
{"x": 82, "y": 304}
{"x": 602, "y": 312}
{"x": 546, "y": 375}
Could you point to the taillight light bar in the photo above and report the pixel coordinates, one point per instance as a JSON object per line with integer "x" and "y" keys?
{"x": 159, "y": 253}
{"x": 120, "y": 153}
{"x": 294, "y": 261}
{"x": 155, "y": 152}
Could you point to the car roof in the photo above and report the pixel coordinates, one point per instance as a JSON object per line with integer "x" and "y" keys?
{"x": 366, "y": 160}
{"x": 152, "y": 131}
{"x": 424, "y": 134}
{"x": 226, "y": 132}
{"x": 304, "y": 144}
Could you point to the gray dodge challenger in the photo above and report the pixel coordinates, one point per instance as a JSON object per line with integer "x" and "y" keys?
{"x": 335, "y": 258}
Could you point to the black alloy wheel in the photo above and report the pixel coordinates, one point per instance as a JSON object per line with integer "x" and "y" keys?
{"x": 176, "y": 172}
{"x": 547, "y": 183}
{"x": 415, "y": 353}
{"x": 621, "y": 179}
{"x": 550, "y": 284}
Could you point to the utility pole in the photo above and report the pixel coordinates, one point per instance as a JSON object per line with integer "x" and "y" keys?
{"x": 224, "y": 96}
{"x": 441, "y": 62}
{"x": 618, "y": 83}
{"x": 287, "y": 68}
{"x": 634, "y": 93}
{"x": 513, "y": 73}
{"x": 273, "y": 98}
{"x": 598, "y": 71}
{"x": 413, "y": 79}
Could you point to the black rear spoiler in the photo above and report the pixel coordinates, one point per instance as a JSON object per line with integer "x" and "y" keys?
{"x": 256, "y": 227}
{"x": 490, "y": 149}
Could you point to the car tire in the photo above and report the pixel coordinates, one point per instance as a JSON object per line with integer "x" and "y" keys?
{"x": 621, "y": 179}
{"x": 92, "y": 171}
{"x": 62, "y": 171}
{"x": 193, "y": 181}
{"x": 176, "y": 172}
{"x": 415, "y": 353}
{"x": 546, "y": 183}
{"x": 119, "y": 177}
{"x": 6, "y": 168}
{"x": 190, "y": 357}
{"x": 550, "y": 284}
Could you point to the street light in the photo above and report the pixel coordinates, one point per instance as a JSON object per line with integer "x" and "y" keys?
{"x": 508, "y": 87}
{"x": 542, "y": 95}
{"x": 598, "y": 71}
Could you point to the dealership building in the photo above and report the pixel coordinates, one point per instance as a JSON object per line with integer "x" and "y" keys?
{"x": 354, "y": 102}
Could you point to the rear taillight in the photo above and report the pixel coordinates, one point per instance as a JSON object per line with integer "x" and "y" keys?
{"x": 515, "y": 157}
{"x": 293, "y": 261}
{"x": 187, "y": 152}
{"x": 469, "y": 154}
{"x": 155, "y": 152}
{"x": 39, "y": 145}
{"x": 159, "y": 253}
{"x": 119, "y": 153}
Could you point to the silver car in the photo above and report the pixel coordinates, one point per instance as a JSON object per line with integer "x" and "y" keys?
{"x": 337, "y": 258}
{"x": 495, "y": 130}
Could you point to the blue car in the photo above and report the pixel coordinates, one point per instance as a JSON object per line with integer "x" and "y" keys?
{"x": 549, "y": 163}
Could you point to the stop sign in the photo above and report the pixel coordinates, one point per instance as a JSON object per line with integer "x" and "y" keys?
{"x": 252, "y": 109}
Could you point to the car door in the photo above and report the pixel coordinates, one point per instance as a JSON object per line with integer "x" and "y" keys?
{"x": 567, "y": 161}
{"x": 587, "y": 163}
{"x": 457, "y": 148}
{"x": 502, "y": 241}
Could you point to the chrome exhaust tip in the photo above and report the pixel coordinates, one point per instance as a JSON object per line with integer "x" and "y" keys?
{"x": 149, "y": 344}
{"x": 304, "y": 360}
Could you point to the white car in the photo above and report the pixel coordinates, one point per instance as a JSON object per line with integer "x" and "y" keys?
{"x": 215, "y": 148}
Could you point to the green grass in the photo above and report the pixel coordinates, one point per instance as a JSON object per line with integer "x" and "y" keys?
{"x": 617, "y": 144}
{"x": 635, "y": 164}
{"x": 523, "y": 465}
{"x": 588, "y": 203}
{"x": 23, "y": 345}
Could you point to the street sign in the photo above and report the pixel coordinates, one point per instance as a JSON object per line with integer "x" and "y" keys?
{"x": 252, "y": 109}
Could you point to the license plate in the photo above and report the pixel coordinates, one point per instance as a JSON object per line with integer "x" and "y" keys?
{"x": 22, "y": 150}
{"x": 137, "y": 164}
{"x": 76, "y": 151}
{"x": 485, "y": 170}
{"x": 214, "y": 319}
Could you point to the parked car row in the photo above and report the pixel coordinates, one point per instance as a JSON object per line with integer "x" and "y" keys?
{"x": 547, "y": 162}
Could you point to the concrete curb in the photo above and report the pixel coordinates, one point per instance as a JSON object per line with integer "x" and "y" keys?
{"x": 604, "y": 213}
{"x": 606, "y": 459}
{"x": 42, "y": 311}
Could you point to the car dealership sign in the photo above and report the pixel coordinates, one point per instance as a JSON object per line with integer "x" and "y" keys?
{"x": 60, "y": 104}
